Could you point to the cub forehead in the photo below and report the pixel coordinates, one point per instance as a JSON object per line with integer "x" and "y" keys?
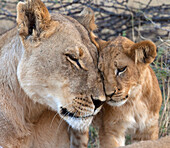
{"x": 113, "y": 55}
{"x": 117, "y": 47}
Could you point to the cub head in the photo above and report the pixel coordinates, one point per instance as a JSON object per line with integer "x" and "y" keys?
{"x": 122, "y": 64}
{"x": 58, "y": 67}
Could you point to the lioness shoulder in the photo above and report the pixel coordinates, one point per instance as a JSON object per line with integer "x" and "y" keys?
{"x": 48, "y": 72}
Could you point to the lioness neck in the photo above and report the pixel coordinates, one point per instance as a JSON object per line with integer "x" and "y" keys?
{"x": 10, "y": 90}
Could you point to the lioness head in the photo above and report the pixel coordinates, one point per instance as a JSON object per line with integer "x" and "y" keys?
{"x": 122, "y": 64}
{"x": 58, "y": 67}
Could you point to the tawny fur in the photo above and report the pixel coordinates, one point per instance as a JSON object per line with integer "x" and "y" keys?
{"x": 133, "y": 94}
{"x": 79, "y": 139}
{"x": 37, "y": 75}
{"x": 137, "y": 114}
{"x": 163, "y": 142}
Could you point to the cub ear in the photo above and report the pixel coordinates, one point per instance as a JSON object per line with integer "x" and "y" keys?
{"x": 143, "y": 52}
{"x": 34, "y": 20}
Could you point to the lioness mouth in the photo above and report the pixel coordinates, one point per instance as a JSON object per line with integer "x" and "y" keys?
{"x": 65, "y": 112}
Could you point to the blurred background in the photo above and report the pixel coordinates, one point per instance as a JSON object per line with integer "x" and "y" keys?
{"x": 136, "y": 19}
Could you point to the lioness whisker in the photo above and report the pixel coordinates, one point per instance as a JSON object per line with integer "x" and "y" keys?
{"x": 61, "y": 120}
{"x": 57, "y": 113}
{"x": 53, "y": 119}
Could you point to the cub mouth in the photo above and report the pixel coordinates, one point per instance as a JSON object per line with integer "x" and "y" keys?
{"x": 65, "y": 112}
{"x": 120, "y": 99}
{"x": 120, "y": 102}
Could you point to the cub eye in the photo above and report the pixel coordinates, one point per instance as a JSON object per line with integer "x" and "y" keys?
{"x": 121, "y": 70}
{"x": 74, "y": 60}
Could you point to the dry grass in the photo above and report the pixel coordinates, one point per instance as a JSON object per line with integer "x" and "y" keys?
{"x": 161, "y": 67}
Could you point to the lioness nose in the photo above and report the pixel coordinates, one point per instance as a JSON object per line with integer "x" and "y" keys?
{"x": 97, "y": 103}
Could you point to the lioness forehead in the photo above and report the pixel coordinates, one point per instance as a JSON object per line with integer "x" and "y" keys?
{"x": 78, "y": 33}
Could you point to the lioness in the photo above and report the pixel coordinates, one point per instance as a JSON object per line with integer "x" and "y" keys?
{"x": 133, "y": 94}
{"x": 49, "y": 63}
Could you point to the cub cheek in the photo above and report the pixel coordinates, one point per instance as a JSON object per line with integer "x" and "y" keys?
{"x": 135, "y": 91}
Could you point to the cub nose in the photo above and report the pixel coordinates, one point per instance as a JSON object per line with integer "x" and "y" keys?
{"x": 97, "y": 103}
{"x": 111, "y": 94}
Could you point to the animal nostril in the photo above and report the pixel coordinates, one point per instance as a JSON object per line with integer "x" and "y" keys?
{"x": 97, "y": 103}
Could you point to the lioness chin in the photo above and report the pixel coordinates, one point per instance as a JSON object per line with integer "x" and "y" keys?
{"x": 48, "y": 65}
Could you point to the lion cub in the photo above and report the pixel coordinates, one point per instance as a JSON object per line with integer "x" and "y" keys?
{"x": 133, "y": 94}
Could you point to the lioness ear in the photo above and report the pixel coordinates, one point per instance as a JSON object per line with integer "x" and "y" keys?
{"x": 34, "y": 20}
{"x": 87, "y": 19}
{"x": 143, "y": 52}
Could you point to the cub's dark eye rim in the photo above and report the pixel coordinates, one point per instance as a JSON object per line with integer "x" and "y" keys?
{"x": 121, "y": 70}
{"x": 74, "y": 59}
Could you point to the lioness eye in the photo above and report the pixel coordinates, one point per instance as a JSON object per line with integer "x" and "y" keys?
{"x": 72, "y": 58}
{"x": 121, "y": 70}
